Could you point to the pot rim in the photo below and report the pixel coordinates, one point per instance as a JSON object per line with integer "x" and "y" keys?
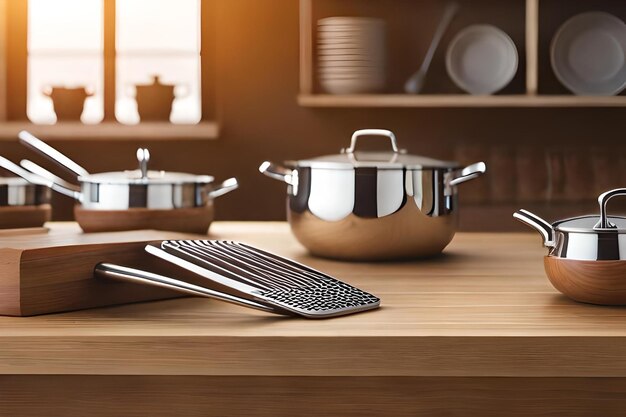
{"x": 339, "y": 166}
{"x": 153, "y": 178}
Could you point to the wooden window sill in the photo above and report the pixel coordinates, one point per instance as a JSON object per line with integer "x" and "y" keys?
{"x": 112, "y": 131}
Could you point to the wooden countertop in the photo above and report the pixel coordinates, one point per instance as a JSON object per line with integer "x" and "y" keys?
{"x": 484, "y": 308}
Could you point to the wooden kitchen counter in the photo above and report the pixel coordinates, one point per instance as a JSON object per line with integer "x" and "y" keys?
{"x": 476, "y": 331}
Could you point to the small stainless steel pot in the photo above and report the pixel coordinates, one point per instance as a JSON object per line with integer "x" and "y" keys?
{"x": 140, "y": 188}
{"x": 587, "y": 254}
{"x": 17, "y": 192}
{"x": 584, "y": 238}
{"x": 362, "y": 205}
{"x": 22, "y": 203}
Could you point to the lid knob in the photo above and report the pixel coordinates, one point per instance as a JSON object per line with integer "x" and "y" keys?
{"x": 143, "y": 156}
{"x": 373, "y": 132}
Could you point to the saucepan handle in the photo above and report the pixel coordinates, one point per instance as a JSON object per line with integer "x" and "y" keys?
{"x": 468, "y": 173}
{"x": 539, "y": 224}
{"x": 44, "y": 149}
{"x": 603, "y": 200}
{"x": 279, "y": 173}
{"x": 38, "y": 179}
{"x": 223, "y": 188}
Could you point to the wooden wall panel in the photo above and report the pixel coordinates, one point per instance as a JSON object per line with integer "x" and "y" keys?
{"x": 156, "y": 396}
{"x": 257, "y": 77}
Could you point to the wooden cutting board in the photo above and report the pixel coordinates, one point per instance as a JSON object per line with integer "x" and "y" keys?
{"x": 52, "y": 270}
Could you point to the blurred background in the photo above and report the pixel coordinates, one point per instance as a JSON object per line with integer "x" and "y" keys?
{"x": 238, "y": 83}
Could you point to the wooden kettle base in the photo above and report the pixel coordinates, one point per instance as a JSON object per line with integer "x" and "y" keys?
{"x": 187, "y": 220}
{"x": 595, "y": 282}
{"x": 15, "y": 217}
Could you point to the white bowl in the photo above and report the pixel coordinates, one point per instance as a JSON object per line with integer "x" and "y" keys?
{"x": 588, "y": 54}
{"x": 481, "y": 59}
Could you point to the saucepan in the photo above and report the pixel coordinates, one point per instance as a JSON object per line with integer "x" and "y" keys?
{"x": 22, "y": 203}
{"x": 135, "y": 199}
{"x": 365, "y": 205}
{"x": 587, "y": 254}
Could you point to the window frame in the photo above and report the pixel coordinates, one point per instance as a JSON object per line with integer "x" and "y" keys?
{"x": 14, "y": 75}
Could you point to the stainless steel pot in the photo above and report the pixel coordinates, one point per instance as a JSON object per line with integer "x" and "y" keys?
{"x": 587, "y": 254}
{"x": 17, "y": 192}
{"x": 590, "y": 238}
{"x": 140, "y": 188}
{"x": 22, "y": 203}
{"x": 363, "y": 205}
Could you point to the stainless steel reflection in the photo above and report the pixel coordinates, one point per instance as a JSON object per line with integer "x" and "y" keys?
{"x": 140, "y": 188}
{"x": 593, "y": 237}
{"x": 16, "y": 191}
{"x": 363, "y": 205}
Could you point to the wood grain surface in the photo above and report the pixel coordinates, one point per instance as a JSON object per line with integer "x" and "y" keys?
{"x": 483, "y": 308}
{"x": 184, "y": 220}
{"x": 596, "y": 282}
{"x": 12, "y": 217}
{"x": 477, "y": 331}
{"x": 48, "y": 271}
{"x": 162, "y": 396}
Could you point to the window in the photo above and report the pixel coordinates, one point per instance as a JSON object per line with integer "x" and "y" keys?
{"x": 158, "y": 38}
{"x": 65, "y": 50}
{"x": 68, "y": 63}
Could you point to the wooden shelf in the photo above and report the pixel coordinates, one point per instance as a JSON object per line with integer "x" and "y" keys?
{"x": 530, "y": 96}
{"x": 112, "y": 131}
{"x": 405, "y": 100}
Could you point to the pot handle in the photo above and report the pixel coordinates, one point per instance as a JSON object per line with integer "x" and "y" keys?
{"x": 43, "y": 148}
{"x": 373, "y": 132}
{"x": 277, "y": 172}
{"x": 37, "y": 179}
{"x": 603, "y": 200}
{"x": 539, "y": 224}
{"x": 223, "y": 188}
{"x": 468, "y": 173}
{"x": 44, "y": 173}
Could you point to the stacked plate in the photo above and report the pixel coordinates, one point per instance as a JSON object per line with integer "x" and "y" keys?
{"x": 351, "y": 54}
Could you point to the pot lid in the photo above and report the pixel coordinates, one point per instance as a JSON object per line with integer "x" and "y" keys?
{"x": 586, "y": 224}
{"x": 145, "y": 176}
{"x": 395, "y": 158}
{"x": 596, "y": 223}
{"x": 150, "y": 177}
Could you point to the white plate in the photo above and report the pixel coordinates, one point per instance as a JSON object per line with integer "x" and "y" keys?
{"x": 372, "y": 35}
{"x": 588, "y": 54}
{"x": 366, "y": 53}
{"x": 481, "y": 59}
{"x": 352, "y": 86}
{"x": 350, "y": 57}
{"x": 350, "y": 45}
{"x": 350, "y": 64}
{"x": 349, "y": 20}
{"x": 345, "y": 70}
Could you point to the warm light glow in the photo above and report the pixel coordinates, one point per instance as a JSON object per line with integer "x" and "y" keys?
{"x": 65, "y": 25}
{"x": 154, "y": 37}
{"x": 159, "y": 37}
{"x": 65, "y": 44}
